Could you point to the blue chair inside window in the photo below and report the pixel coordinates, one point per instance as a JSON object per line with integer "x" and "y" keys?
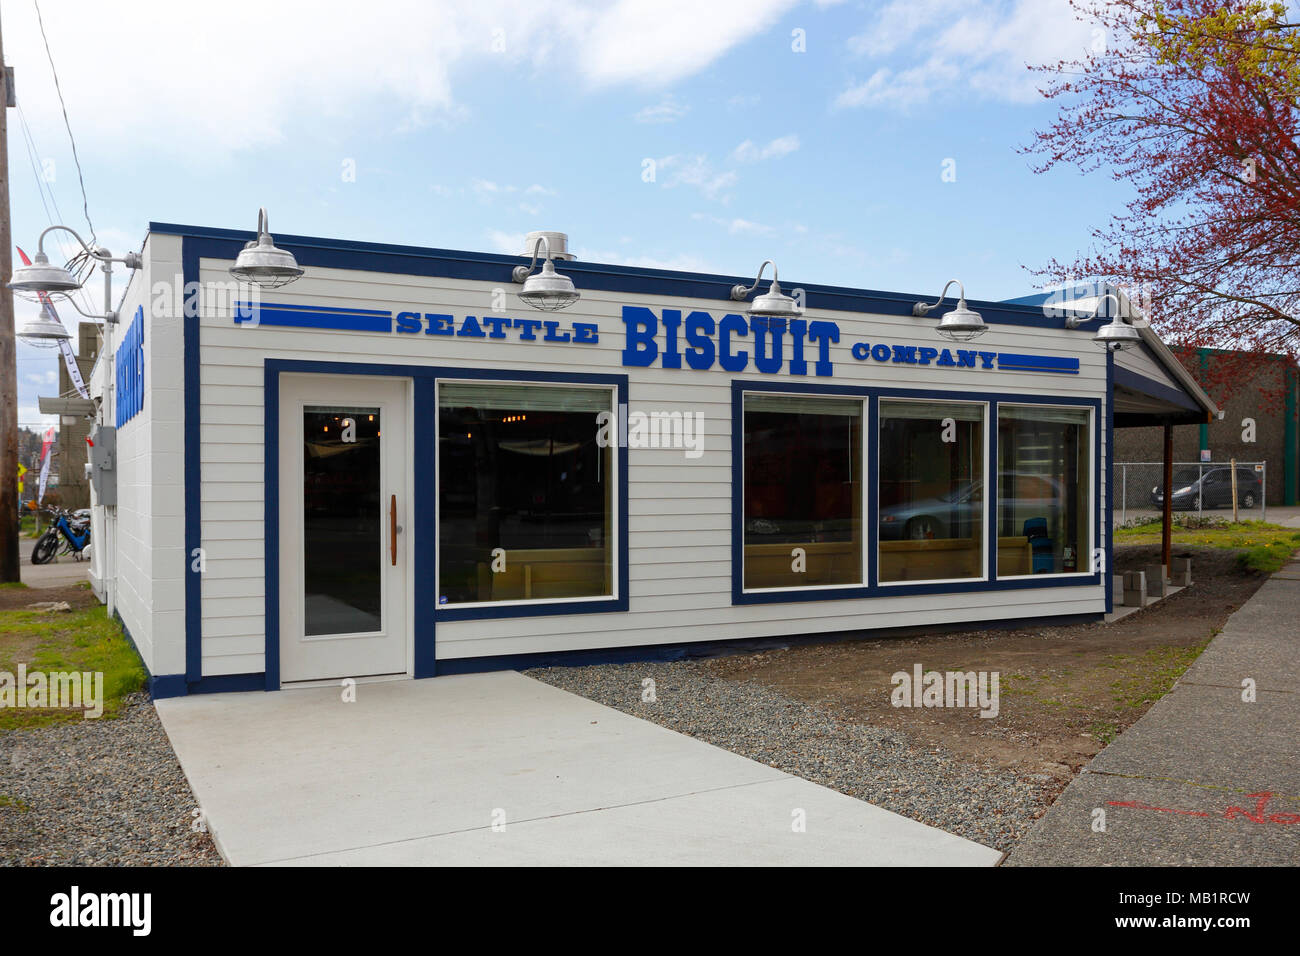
{"x": 1040, "y": 545}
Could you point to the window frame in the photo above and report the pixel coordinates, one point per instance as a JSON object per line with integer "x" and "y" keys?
{"x": 986, "y": 571}
{"x": 738, "y": 484}
{"x": 1091, "y": 537}
{"x": 616, "y": 385}
{"x": 873, "y": 588}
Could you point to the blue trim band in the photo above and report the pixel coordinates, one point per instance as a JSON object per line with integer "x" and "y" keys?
{"x": 350, "y": 320}
{"x": 1008, "y": 361}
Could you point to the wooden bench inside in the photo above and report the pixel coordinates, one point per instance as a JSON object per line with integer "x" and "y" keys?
{"x": 546, "y": 573}
{"x": 828, "y": 562}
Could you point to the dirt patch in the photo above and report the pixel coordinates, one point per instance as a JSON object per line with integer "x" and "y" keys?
{"x": 1065, "y": 691}
{"x": 17, "y": 599}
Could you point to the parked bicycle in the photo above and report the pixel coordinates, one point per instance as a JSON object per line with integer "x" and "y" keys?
{"x": 69, "y": 529}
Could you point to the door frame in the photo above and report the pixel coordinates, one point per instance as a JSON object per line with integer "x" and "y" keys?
{"x": 419, "y": 530}
{"x": 393, "y": 395}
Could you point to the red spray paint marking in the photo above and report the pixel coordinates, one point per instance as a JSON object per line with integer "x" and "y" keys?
{"x": 1232, "y": 813}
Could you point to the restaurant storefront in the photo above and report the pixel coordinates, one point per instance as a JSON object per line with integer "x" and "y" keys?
{"x": 397, "y": 466}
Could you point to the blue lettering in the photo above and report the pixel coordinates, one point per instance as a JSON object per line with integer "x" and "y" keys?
{"x": 881, "y": 353}
{"x": 965, "y": 358}
{"x": 408, "y": 322}
{"x": 927, "y": 354}
{"x": 861, "y": 350}
{"x": 497, "y": 323}
{"x": 699, "y": 336}
{"x": 470, "y": 328}
{"x": 905, "y": 353}
{"x": 639, "y": 349}
{"x": 671, "y": 357}
{"x": 440, "y": 324}
{"x": 730, "y": 325}
{"x": 530, "y": 327}
{"x": 764, "y": 328}
{"x": 798, "y": 329}
{"x": 585, "y": 332}
{"x": 551, "y": 330}
{"x": 823, "y": 333}
{"x": 945, "y": 358}
{"x": 988, "y": 358}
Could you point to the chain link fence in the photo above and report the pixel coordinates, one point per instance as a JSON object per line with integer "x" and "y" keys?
{"x": 1200, "y": 486}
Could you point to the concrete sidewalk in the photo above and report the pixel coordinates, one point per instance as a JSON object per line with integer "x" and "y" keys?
{"x": 417, "y": 773}
{"x": 1203, "y": 778}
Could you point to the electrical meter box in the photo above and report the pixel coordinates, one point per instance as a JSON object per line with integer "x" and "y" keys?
{"x": 101, "y": 451}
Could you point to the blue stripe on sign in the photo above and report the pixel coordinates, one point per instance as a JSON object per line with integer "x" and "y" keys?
{"x": 1037, "y": 363}
{"x": 314, "y": 317}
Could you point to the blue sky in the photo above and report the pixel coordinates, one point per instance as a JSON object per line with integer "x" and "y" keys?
{"x": 816, "y": 134}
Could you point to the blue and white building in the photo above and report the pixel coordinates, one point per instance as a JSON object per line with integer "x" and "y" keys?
{"x": 394, "y": 466}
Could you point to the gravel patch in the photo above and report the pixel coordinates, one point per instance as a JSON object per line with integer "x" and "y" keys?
{"x": 876, "y": 764}
{"x": 98, "y": 793}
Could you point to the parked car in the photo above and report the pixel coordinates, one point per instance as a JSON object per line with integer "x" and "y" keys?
{"x": 1194, "y": 490}
{"x": 960, "y": 512}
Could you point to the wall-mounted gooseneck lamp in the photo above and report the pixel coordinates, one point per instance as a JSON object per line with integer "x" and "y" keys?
{"x": 262, "y": 263}
{"x": 548, "y": 290}
{"x": 1114, "y": 336}
{"x": 44, "y": 331}
{"x": 41, "y": 279}
{"x": 961, "y": 324}
{"x": 773, "y": 303}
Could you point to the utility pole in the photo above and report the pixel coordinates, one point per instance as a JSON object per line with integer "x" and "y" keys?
{"x": 9, "y": 559}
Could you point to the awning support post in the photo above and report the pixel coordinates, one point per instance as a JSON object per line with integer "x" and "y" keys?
{"x": 1167, "y": 518}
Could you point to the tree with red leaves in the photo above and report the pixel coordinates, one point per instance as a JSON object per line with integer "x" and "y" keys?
{"x": 1194, "y": 104}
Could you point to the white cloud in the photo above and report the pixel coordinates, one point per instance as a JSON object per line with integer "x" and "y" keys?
{"x": 983, "y": 47}
{"x": 657, "y": 42}
{"x": 697, "y": 171}
{"x": 747, "y": 152}
{"x": 737, "y": 226}
{"x": 682, "y": 262}
{"x": 667, "y": 110}
{"x": 174, "y": 77}
{"x": 507, "y": 242}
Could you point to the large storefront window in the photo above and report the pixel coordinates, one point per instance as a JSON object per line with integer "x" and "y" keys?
{"x": 931, "y": 491}
{"x": 1043, "y": 490}
{"x": 803, "y": 491}
{"x": 525, "y": 493}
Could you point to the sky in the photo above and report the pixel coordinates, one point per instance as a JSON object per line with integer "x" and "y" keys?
{"x": 869, "y": 144}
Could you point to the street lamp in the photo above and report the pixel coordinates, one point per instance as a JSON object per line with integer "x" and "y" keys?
{"x": 961, "y": 324}
{"x": 773, "y": 303}
{"x": 1116, "y": 335}
{"x": 44, "y": 331}
{"x": 262, "y": 263}
{"x": 41, "y": 279}
{"x": 548, "y": 290}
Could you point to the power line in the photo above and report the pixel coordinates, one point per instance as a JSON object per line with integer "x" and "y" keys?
{"x": 85, "y": 203}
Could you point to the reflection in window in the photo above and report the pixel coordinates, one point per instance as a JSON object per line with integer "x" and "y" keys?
{"x": 1043, "y": 490}
{"x": 525, "y": 508}
{"x": 341, "y": 527}
{"x": 931, "y": 491}
{"x": 803, "y": 500}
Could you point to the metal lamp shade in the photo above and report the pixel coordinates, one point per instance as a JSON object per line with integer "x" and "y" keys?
{"x": 263, "y": 264}
{"x": 775, "y": 304}
{"x": 548, "y": 290}
{"x": 1115, "y": 336}
{"x": 43, "y": 332}
{"x": 40, "y": 277}
{"x": 961, "y": 324}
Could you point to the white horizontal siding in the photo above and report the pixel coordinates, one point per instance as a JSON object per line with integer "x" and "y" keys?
{"x": 679, "y": 508}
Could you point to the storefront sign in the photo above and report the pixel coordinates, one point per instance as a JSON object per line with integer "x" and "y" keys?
{"x": 669, "y": 338}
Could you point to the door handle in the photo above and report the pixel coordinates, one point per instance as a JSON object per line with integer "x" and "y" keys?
{"x": 392, "y": 529}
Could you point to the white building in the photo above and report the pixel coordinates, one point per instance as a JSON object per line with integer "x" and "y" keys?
{"x": 393, "y": 466}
